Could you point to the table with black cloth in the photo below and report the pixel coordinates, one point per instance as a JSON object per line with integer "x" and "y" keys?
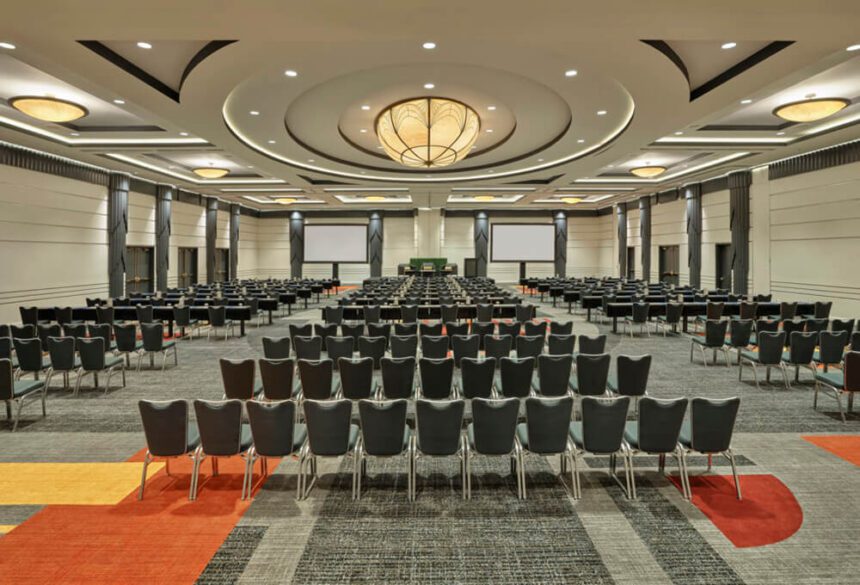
{"x": 694, "y": 309}
{"x": 392, "y": 312}
{"x": 239, "y": 313}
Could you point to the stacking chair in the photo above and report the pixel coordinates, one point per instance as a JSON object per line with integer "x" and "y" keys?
{"x": 222, "y": 434}
{"x": 330, "y": 434}
{"x": 104, "y": 331}
{"x": 356, "y": 378}
{"x": 546, "y": 432}
{"x": 317, "y": 377}
{"x": 383, "y": 434}
{"x": 484, "y": 313}
{"x": 846, "y": 381}
{"x": 524, "y": 312}
{"x": 631, "y": 377}
{"x": 531, "y": 329}
{"x": 465, "y": 346}
{"x": 482, "y": 330}
{"x": 493, "y": 433}
{"x": 144, "y": 314}
{"x": 640, "y": 316}
{"x": 380, "y": 330}
{"x": 23, "y": 332}
{"x": 29, "y": 315}
{"x": 512, "y": 329}
{"x": 816, "y": 325}
{"x": 831, "y": 346}
{"x": 237, "y": 377}
{"x": 45, "y": 331}
{"x": 656, "y": 432}
{"x": 333, "y": 315}
{"x": 477, "y": 377}
{"x": 787, "y": 311}
{"x": 278, "y": 378}
{"x": 438, "y": 433}
{"x": 274, "y": 433}
{"x": 64, "y": 316}
{"x": 153, "y": 343}
{"x": 592, "y": 374}
{"x": 125, "y": 337}
{"x": 76, "y": 330}
{"x": 842, "y": 325}
{"x": 709, "y": 431}
{"x": 452, "y": 329}
{"x": 515, "y": 377}
{"x": 404, "y": 329}
{"x": 169, "y": 433}
{"x": 592, "y": 344}
{"x": 529, "y": 346}
{"x": 713, "y": 312}
{"x": 560, "y": 344}
{"x": 740, "y": 334}
{"x": 339, "y": 347}
{"x": 104, "y": 315}
{"x": 748, "y": 311}
{"x": 372, "y": 347}
{"x": 306, "y": 330}
{"x": 437, "y": 377}
{"x": 601, "y": 432}
{"x": 218, "y": 319}
{"x": 398, "y": 377}
{"x": 307, "y": 348}
{"x": 63, "y": 359}
{"x": 434, "y": 347}
{"x": 714, "y": 339}
{"x": 800, "y": 354}
{"x": 789, "y": 327}
{"x": 769, "y": 355}
{"x": 352, "y": 330}
{"x": 497, "y": 346}
{"x": 30, "y": 358}
{"x": 450, "y": 313}
{"x": 764, "y": 326}
{"x": 16, "y": 393}
{"x": 372, "y": 313}
{"x": 94, "y": 361}
{"x": 276, "y": 348}
{"x": 324, "y": 331}
{"x": 430, "y": 329}
{"x": 553, "y": 375}
{"x": 559, "y": 328}
{"x": 404, "y": 346}
{"x": 408, "y": 313}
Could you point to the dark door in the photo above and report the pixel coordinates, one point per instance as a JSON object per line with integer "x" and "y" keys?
{"x": 222, "y": 264}
{"x": 187, "y": 267}
{"x": 138, "y": 270}
{"x": 631, "y": 263}
{"x": 669, "y": 264}
{"x": 724, "y": 266}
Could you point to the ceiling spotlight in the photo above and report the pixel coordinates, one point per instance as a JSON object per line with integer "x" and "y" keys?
{"x": 271, "y": 142}
{"x": 363, "y": 130}
{"x": 10, "y": 46}
{"x": 491, "y": 171}
{"x": 571, "y": 200}
{"x": 144, "y": 45}
{"x": 119, "y": 102}
{"x": 489, "y": 130}
{"x": 210, "y": 172}
{"x": 580, "y": 141}
{"x": 429, "y": 86}
{"x": 780, "y": 133}
{"x": 48, "y": 109}
{"x": 851, "y": 48}
{"x": 285, "y": 200}
{"x": 484, "y": 197}
{"x": 365, "y": 107}
{"x": 648, "y": 172}
{"x": 746, "y": 101}
{"x": 254, "y": 113}
{"x": 678, "y": 133}
{"x": 429, "y": 45}
{"x": 291, "y": 73}
{"x": 183, "y": 133}
{"x": 374, "y": 198}
{"x": 571, "y": 73}
{"x": 540, "y": 160}
{"x": 491, "y": 108}
{"x": 730, "y": 45}
{"x": 311, "y": 160}
{"x": 74, "y": 133}
{"x": 811, "y": 110}
{"x": 601, "y": 112}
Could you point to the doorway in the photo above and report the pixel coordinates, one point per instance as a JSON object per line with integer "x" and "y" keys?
{"x": 138, "y": 270}
{"x": 187, "y": 267}
{"x": 669, "y": 264}
{"x": 631, "y": 263}
{"x": 724, "y": 266}
{"x": 222, "y": 264}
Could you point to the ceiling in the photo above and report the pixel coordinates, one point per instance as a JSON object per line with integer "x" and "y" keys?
{"x": 285, "y": 95}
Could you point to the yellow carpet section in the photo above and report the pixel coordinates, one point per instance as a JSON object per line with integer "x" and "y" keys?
{"x": 94, "y": 484}
{"x": 6, "y": 528}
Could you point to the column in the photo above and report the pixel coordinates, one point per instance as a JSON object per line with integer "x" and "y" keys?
{"x": 482, "y": 242}
{"x": 693, "y": 196}
{"x": 297, "y": 243}
{"x": 211, "y": 235}
{"x": 234, "y": 240}
{"x": 645, "y": 235}
{"x": 118, "y": 185}
{"x": 374, "y": 243}
{"x": 621, "y": 225}
{"x": 760, "y": 231}
{"x": 560, "y": 221}
{"x": 163, "y": 211}
{"x": 739, "y": 221}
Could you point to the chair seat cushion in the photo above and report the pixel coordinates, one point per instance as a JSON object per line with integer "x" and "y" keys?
{"x": 700, "y": 340}
{"x": 24, "y": 387}
{"x": 631, "y": 433}
{"x": 576, "y": 433}
{"x": 832, "y": 378}
{"x": 168, "y": 343}
{"x": 112, "y": 360}
{"x": 749, "y": 355}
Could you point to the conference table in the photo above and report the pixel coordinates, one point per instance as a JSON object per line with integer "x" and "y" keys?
{"x": 239, "y": 313}
{"x": 590, "y": 302}
{"x": 392, "y": 312}
{"x": 364, "y": 300}
{"x": 696, "y": 308}
{"x": 268, "y": 304}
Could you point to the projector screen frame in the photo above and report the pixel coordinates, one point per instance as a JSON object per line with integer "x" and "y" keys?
{"x": 366, "y": 247}
{"x": 493, "y": 236}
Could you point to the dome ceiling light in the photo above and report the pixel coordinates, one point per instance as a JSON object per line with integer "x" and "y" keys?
{"x": 428, "y": 132}
{"x": 811, "y": 110}
{"x": 571, "y": 200}
{"x": 648, "y": 172}
{"x": 210, "y": 172}
{"x": 48, "y": 109}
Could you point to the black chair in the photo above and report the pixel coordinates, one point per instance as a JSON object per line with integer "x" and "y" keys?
{"x": 127, "y": 344}
{"x": 144, "y": 314}
{"x": 714, "y": 339}
{"x": 531, "y": 329}
{"x": 222, "y": 434}
{"x": 789, "y": 327}
{"x": 801, "y": 353}
{"x": 237, "y": 377}
{"x": 276, "y": 348}
{"x": 356, "y": 378}
{"x": 524, "y": 312}
{"x": 831, "y": 347}
{"x": 379, "y": 330}
{"x": 641, "y": 315}
{"x": 94, "y": 361}
{"x": 787, "y": 311}
{"x": 409, "y": 313}
{"x": 307, "y": 348}
{"x": 435, "y": 347}
{"x": 398, "y": 377}
{"x": 354, "y": 331}
{"x": 278, "y": 378}
{"x": 497, "y": 346}
{"x": 438, "y": 433}
{"x": 218, "y": 319}
{"x": 713, "y": 312}
{"x": 154, "y": 343}
{"x": 64, "y": 316}
{"x": 656, "y": 432}
{"x": 484, "y": 313}
{"x": 404, "y": 329}
{"x": 105, "y": 315}
{"x": 76, "y": 330}
{"x": 748, "y": 311}
{"x": 553, "y": 375}
{"x": 330, "y": 434}
{"x": 846, "y": 381}
{"x": 477, "y": 377}
{"x": 383, "y": 434}
{"x": 275, "y": 434}
{"x": 452, "y": 329}
{"x": 22, "y": 332}
{"x": 631, "y": 377}
{"x": 30, "y": 358}
{"x": 63, "y": 359}
{"x": 483, "y": 330}
{"x": 465, "y": 346}
{"x": 842, "y": 325}
{"x": 764, "y": 326}
{"x": 333, "y": 315}
{"x": 512, "y": 329}
{"x": 493, "y": 432}
{"x": 592, "y": 374}
{"x": 430, "y": 329}
{"x": 16, "y": 393}
{"x": 339, "y": 347}
{"x": 372, "y": 313}
{"x": 324, "y": 331}
{"x": 709, "y": 431}
{"x": 740, "y": 334}
{"x": 546, "y": 432}
{"x": 515, "y": 377}
{"x": 404, "y": 346}
{"x": 317, "y": 378}
{"x": 437, "y": 377}
{"x": 529, "y": 346}
{"x": 169, "y": 433}
{"x": 601, "y": 432}
{"x": 450, "y": 313}
{"x": 558, "y": 344}
{"x": 592, "y": 344}
{"x": 372, "y": 347}
{"x": 103, "y": 331}
{"x": 769, "y": 355}
{"x": 559, "y": 328}
{"x": 45, "y": 331}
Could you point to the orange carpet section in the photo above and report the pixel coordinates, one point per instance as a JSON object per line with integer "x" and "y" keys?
{"x": 846, "y": 447}
{"x": 768, "y": 513}
{"x": 163, "y": 539}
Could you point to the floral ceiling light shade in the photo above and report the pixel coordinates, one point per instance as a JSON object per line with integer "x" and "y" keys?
{"x": 428, "y": 132}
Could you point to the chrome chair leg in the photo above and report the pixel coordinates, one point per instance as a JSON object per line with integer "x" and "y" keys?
{"x": 731, "y": 457}
{"x": 143, "y": 475}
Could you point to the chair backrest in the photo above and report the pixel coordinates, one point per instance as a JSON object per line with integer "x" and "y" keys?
{"x": 29, "y": 353}
{"x": 379, "y": 330}
{"x": 104, "y": 315}
{"x": 831, "y": 346}
{"x": 740, "y": 332}
{"x": 372, "y": 313}
{"x": 714, "y": 311}
{"x": 450, "y": 313}
{"x": 512, "y": 329}
{"x": 548, "y": 423}
{"x": 307, "y": 348}
{"x": 516, "y": 376}
{"x": 125, "y": 336}
{"x": 356, "y": 377}
{"x": 45, "y": 331}
{"x": 712, "y": 423}
{"x": 409, "y": 313}
{"x": 278, "y": 378}
{"x": 816, "y": 325}
{"x": 23, "y": 331}
{"x": 328, "y": 424}
{"x": 306, "y": 330}
{"x": 217, "y": 315}
{"x": 316, "y": 377}
{"x": 272, "y": 425}
{"x": 62, "y": 352}
{"x": 592, "y": 344}
{"x": 641, "y": 312}
{"x": 76, "y": 330}
{"x": 398, "y": 377}
{"x": 770, "y": 347}
{"x": 452, "y": 329}
{"x": 530, "y": 328}
{"x": 165, "y": 425}
{"x": 102, "y": 330}
{"x": 430, "y": 329}
{"x": 632, "y": 374}
{"x": 851, "y": 372}
{"x": 674, "y": 312}
{"x": 554, "y": 374}
{"x": 339, "y": 347}
{"x": 560, "y": 328}
{"x": 237, "y": 377}
{"x": 603, "y": 422}
{"x": 483, "y": 329}
{"x": 748, "y": 311}
{"x": 92, "y": 353}
{"x": 437, "y": 375}
{"x": 476, "y": 377}
{"x": 855, "y": 341}
{"x": 789, "y": 327}
{"x": 438, "y": 426}
{"x": 484, "y": 312}
{"x": 465, "y": 346}
{"x": 592, "y": 371}
{"x": 383, "y": 425}
{"x": 497, "y": 346}
{"x": 276, "y": 348}
{"x": 559, "y": 344}
{"x": 822, "y": 309}
{"x": 324, "y": 331}
{"x": 802, "y": 347}
{"x": 842, "y": 325}
{"x": 524, "y": 312}
{"x": 434, "y": 346}
{"x": 529, "y": 346}
{"x": 372, "y": 347}
{"x": 220, "y": 426}
{"x": 787, "y": 310}
{"x": 404, "y": 329}
{"x": 144, "y": 314}
{"x": 63, "y": 315}
{"x": 182, "y": 316}
{"x": 660, "y": 424}
{"x": 494, "y": 425}
{"x": 352, "y": 330}
{"x": 715, "y": 333}
{"x": 765, "y": 325}
{"x": 153, "y": 336}
{"x": 333, "y": 315}
{"x": 404, "y": 346}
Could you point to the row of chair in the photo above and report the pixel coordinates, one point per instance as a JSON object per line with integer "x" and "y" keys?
{"x": 409, "y": 313}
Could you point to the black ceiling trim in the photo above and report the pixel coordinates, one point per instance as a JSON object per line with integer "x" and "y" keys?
{"x": 141, "y": 186}
{"x": 30, "y": 160}
{"x": 835, "y": 156}
{"x": 765, "y": 52}
{"x": 200, "y": 56}
{"x": 331, "y": 213}
{"x": 715, "y": 184}
{"x": 315, "y": 181}
{"x": 247, "y": 211}
{"x": 547, "y": 181}
{"x": 670, "y": 53}
{"x": 746, "y": 127}
{"x": 126, "y": 128}
{"x": 103, "y": 51}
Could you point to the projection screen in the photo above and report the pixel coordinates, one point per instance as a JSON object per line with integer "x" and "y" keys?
{"x": 336, "y": 243}
{"x": 522, "y": 242}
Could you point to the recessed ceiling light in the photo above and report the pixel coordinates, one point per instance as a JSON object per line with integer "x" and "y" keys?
{"x": 491, "y": 171}
{"x": 365, "y": 107}
{"x": 271, "y": 142}
{"x": 291, "y": 73}
{"x": 580, "y": 141}
{"x": 571, "y": 200}
{"x": 489, "y": 130}
{"x": 119, "y": 102}
{"x": 183, "y": 133}
{"x": 746, "y": 101}
{"x": 678, "y": 133}
{"x": 379, "y": 147}
{"x": 10, "y": 46}
{"x": 730, "y": 45}
{"x": 144, "y": 45}
{"x": 491, "y": 108}
{"x": 310, "y": 160}
{"x": 429, "y": 45}
{"x": 363, "y": 130}
{"x": 429, "y": 86}
{"x": 571, "y": 73}
{"x": 285, "y": 200}
{"x": 75, "y": 133}
{"x": 374, "y": 198}
{"x": 254, "y": 113}
{"x": 780, "y": 133}
{"x": 540, "y": 160}
{"x": 851, "y": 48}
{"x": 250, "y": 166}
{"x": 484, "y": 197}
{"x": 601, "y": 112}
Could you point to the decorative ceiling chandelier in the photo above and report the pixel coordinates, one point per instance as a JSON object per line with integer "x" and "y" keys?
{"x": 210, "y": 172}
{"x": 48, "y": 109}
{"x": 428, "y": 132}
{"x": 811, "y": 110}
{"x": 648, "y": 172}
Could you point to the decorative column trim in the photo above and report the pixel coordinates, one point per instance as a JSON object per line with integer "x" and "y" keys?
{"x": 645, "y": 235}
{"x": 374, "y": 243}
{"x": 297, "y": 243}
{"x": 234, "y": 241}
{"x": 118, "y": 187}
{"x": 560, "y": 221}
{"x": 163, "y": 222}
{"x": 693, "y": 197}
{"x": 482, "y": 242}
{"x": 621, "y": 229}
{"x": 739, "y": 223}
{"x": 211, "y": 236}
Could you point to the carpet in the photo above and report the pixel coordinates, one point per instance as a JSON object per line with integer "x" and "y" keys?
{"x": 846, "y": 447}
